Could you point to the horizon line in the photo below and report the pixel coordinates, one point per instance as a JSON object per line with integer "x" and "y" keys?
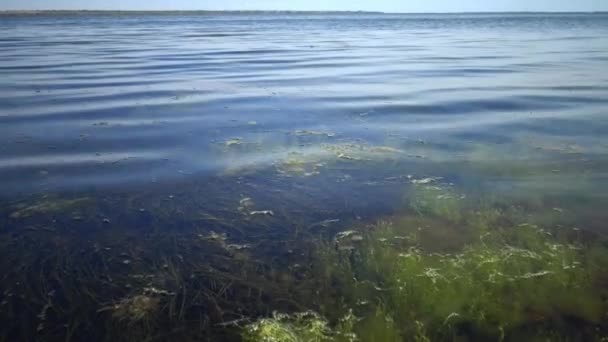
{"x": 75, "y": 11}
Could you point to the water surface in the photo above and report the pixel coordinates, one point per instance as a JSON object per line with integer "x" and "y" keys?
{"x": 126, "y": 136}
{"x": 117, "y": 100}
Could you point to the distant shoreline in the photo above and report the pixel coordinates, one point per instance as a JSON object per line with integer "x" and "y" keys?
{"x": 180, "y": 12}
{"x": 245, "y": 12}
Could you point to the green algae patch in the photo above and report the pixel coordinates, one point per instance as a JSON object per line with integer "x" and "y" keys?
{"x": 300, "y": 327}
{"x": 501, "y": 279}
{"x": 493, "y": 284}
{"x": 313, "y": 161}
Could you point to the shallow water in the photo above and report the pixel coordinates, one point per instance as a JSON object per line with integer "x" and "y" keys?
{"x": 123, "y": 132}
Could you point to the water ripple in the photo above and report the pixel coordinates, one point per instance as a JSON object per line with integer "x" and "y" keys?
{"x": 102, "y": 100}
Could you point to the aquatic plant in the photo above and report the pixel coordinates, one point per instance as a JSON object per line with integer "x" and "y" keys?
{"x": 306, "y": 327}
{"x": 136, "y": 309}
{"x": 299, "y": 327}
{"x": 494, "y": 285}
{"x": 504, "y": 280}
{"x": 446, "y": 267}
{"x": 439, "y": 201}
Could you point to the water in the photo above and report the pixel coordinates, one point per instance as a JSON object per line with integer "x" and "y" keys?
{"x": 123, "y": 132}
{"x": 157, "y": 93}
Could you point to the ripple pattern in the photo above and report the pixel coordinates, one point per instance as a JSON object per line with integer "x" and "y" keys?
{"x": 92, "y": 100}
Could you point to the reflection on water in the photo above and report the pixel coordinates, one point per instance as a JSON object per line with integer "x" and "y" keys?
{"x": 303, "y": 177}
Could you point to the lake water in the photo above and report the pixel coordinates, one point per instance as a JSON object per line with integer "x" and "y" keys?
{"x": 176, "y": 173}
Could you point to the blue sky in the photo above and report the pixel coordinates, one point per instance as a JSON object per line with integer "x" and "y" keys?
{"x": 371, "y": 5}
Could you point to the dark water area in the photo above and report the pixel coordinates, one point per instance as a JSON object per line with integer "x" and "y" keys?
{"x": 182, "y": 176}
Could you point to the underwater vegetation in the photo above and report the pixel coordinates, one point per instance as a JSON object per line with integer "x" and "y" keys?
{"x": 507, "y": 281}
{"x": 305, "y": 326}
{"x": 446, "y": 266}
{"x": 306, "y": 154}
{"x": 304, "y": 177}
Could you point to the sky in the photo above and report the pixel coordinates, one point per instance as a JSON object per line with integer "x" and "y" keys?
{"x": 315, "y": 5}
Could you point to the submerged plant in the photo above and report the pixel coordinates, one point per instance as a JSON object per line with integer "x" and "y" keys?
{"x": 504, "y": 280}
{"x": 139, "y": 308}
{"x": 445, "y": 270}
{"x": 300, "y": 327}
{"x": 493, "y": 284}
{"x": 438, "y": 201}
{"x": 306, "y": 327}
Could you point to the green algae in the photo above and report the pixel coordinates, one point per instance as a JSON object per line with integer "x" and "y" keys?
{"x": 313, "y": 161}
{"x": 444, "y": 267}
{"x": 505, "y": 281}
{"x": 493, "y": 284}
{"x": 300, "y": 327}
{"x": 306, "y": 326}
